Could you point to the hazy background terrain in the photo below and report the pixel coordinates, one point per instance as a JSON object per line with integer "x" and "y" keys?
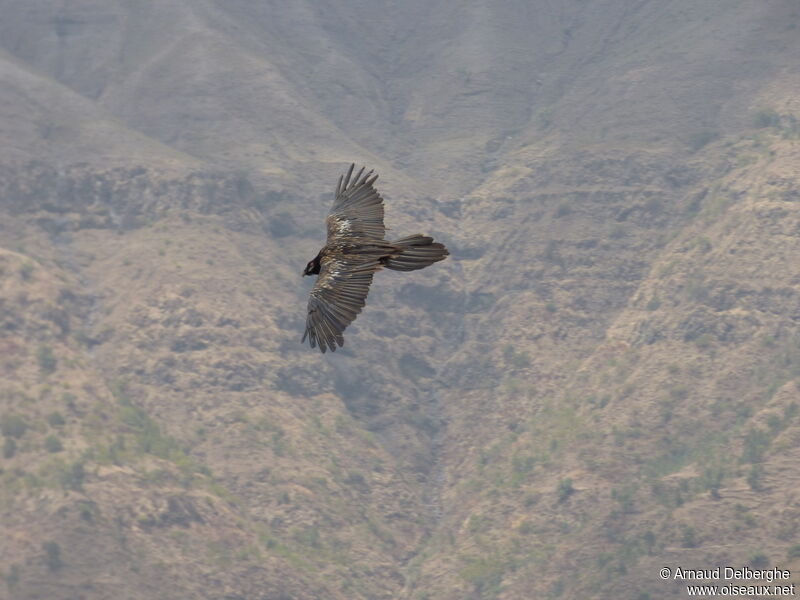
{"x": 601, "y": 380}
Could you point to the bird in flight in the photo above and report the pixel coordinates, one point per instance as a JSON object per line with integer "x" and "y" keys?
{"x": 354, "y": 251}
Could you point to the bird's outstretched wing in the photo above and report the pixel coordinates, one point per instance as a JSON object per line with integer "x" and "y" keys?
{"x": 336, "y": 298}
{"x": 357, "y": 211}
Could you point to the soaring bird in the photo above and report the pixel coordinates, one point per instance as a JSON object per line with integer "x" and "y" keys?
{"x": 354, "y": 251}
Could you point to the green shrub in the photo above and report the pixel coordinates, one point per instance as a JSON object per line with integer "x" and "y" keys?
{"x": 649, "y": 539}
{"x": 485, "y": 575}
{"x": 688, "y": 537}
{"x": 53, "y": 444}
{"x": 46, "y": 358}
{"x": 766, "y": 117}
{"x": 279, "y": 443}
{"x": 522, "y": 465}
{"x": 86, "y": 512}
{"x": 12, "y": 578}
{"x": 653, "y": 303}
{"x": 308, "y": 536}
{"x": 526, "y": 527}
{"x": 521, "y": 360}
{"x": 700, "y": 139}
{"x": 71, "y": 476}
{"x": 13, "y": 426}
{"x": 9, "y": 448}
{"x": 679, "y": 392}
{"x": 52, "y": 555}
{"x": 148, "y": 436}
{"x": 711, "y": 480}
{"x": 754, "y": 478}
{"x": 544, "y": 117}
{"x": 531, "y": 500}
{"x": 790, "y": 411}
{"x": 26, "y": 270}
{"x": 69, "y": 399}
{"x": 774, "y": 423}
{"x": 564, "y": 489}
{"x": 563, "y": 210}
{"x": 756, "y": 443}
{"x": 704, "y": 341}
{"x": 356, "y": 480}
{"x": 55, "y": 419}
{"x": 758, "y": 560}
{"x": 552, "y": 255}
{"x": 793, "y": 551}
{"x": 625, "y": 496}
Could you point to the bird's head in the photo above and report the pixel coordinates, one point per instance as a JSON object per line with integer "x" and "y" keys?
{"x": 312, "y": 268}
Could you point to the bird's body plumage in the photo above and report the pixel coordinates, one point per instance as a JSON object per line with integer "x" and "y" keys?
{"x": 354, "y": 251}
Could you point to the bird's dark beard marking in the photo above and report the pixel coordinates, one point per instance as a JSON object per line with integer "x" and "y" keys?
{"x": 317, "y": 265}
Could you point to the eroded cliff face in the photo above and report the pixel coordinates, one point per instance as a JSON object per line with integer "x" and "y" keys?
{"x": 641, "y": 387}
{"x": 602, "y": 379}
{"x": 167, "y": 408}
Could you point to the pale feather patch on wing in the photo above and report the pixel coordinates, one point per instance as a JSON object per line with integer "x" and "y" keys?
{"x": 357, "y": 210}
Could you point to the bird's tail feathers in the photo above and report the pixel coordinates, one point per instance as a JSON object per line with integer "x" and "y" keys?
{"x": 417, "y": 252}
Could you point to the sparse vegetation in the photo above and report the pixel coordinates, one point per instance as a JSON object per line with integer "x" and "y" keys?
{"x": 766, "y": 117}
{"x": 649, "y": 540}
{"x": 631, "y": 337}
{"x": 46, "y": 359}
{"x": 758, "y": 560}
{"x": 679, "y": 392}
{"x": 526, "y": 528}
{"x": 514, "y": 358}
{"x": 53, "y": 444}
{"x": 564, "y": 490}
{"x": 70, "y": 475}
{"x": 26, "y": 270}
{"x": 552, "y": 255}
{"x": 704, "y": 341}
{"x": 702, "y": 138}
{"x": 688, "y": 537}
{"x": 69, "y": 400}
{"x": 745, "y": 517}
{"x": 756, "y": 443}
{"x": 9, "y": 447}
{"x": 754, "y": 477}
{"x": 12, "y": 578}
{"x": 653, "y": 304}
{"x": 86, "y": 511}
{"x": 308, "y": 536}
{"x": 52, "y": 556}
{"x": 55, "y": 419}
{"x": 485, "y": 575}
{"x": 279, "y": 442}
{"x": 13, "y": 426}
{"x": 625, "y": 496}
{"x": 544, "y": 117}
{"x": 711, "y": 480}
{"x": 563, "y": 210}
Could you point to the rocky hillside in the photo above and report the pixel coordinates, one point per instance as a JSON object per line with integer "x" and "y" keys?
{"x": 601, "y": 381}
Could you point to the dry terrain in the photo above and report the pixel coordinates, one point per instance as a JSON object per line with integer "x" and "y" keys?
{"x": 602, "y": 380}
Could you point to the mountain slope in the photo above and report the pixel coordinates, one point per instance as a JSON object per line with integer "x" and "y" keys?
{"x": 600, "y": 381}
